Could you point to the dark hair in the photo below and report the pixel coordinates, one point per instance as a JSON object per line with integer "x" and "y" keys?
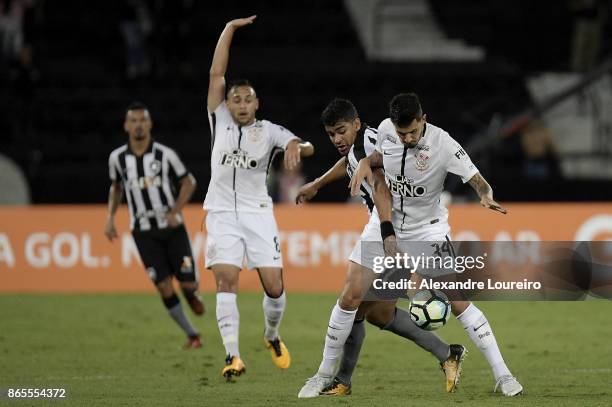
{"x": 338, "y": 110}
{"x": 237, "y": 82}
{"x": 404, "y": 108}
{"x": 137, "y": 106}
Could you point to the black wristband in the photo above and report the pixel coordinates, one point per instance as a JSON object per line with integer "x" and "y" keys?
{"x": 386, "y": 229}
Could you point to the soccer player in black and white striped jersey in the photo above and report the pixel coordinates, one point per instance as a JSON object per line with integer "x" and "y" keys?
{"x": 157, "y": 186}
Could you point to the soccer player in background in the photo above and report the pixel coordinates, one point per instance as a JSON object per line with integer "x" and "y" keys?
{"x": 355, "y": 140}
{"x": 157, "y": 186}
{"x": 240, "y": 222}
{"x": 416, "y": 157}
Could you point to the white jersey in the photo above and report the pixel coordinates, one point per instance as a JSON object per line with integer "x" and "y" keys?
{"x": 364, "y": 146}
{"x": 415, "y": 176}
{"x": 241, "y": 157}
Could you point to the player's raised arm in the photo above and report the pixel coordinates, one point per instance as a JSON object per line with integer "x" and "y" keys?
{"x": 216, "y": 84}
{"x": 364, "y": 171}
{"x": 485, "y": 193}
{"x": 115, "y": 195}
{"x": 309, "y": 190}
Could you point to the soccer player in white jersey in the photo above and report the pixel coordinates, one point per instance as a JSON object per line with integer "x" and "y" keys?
{"x": 416, "y": 157}
{"x": 240, "y": 222}
{"x": 354, "y": 141}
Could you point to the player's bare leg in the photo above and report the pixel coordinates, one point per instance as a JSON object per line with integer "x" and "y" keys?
{"x": 228, "y": 318}
{"x": 339, "y": 327}
{"x": 173, "y": 305}
{"x": 274, "y": 302}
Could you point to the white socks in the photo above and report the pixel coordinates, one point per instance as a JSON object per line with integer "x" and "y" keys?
{"x": 477, "y": 327}
{"x": 273, "y": 309}
{"x": 228, "y": 320}
{"x": 338, "y": 330}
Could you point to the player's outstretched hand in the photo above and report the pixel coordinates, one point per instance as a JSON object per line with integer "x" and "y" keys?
{"x": 491, "y": 204}
{"x": 362, "y": 172}
{"x": 241, "y": 22}
{"x": 306, "y": 193}
{"x": 292, "y": 155}
{"x": 109, "y": 230}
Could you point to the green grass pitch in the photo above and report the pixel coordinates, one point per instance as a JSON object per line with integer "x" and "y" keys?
{"x": 123, "y": 350}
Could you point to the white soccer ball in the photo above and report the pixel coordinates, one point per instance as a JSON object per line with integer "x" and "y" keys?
{"x": 430, "y": 309}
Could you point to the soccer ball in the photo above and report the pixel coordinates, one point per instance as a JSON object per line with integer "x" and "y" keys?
{"x": 430, "y": 309}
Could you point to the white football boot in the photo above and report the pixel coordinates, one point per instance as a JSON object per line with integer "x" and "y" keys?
{"x": 314, "y": 386}
{"x": 508, "y": 385}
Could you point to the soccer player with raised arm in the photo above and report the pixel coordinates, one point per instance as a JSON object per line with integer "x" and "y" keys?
{"x": 157, "y": 186}
{"x": 416, "y": 157}
{"x": 355, "y": 140}
{"x": 240, "y": 223}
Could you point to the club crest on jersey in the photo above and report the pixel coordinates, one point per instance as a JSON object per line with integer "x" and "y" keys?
{"x": 255, "y": 134}
{"x": 421, "y": 163}
{"x": 238, "y": 159}
{"x": 402, "y": 186}
{"x": 155, "y": 166}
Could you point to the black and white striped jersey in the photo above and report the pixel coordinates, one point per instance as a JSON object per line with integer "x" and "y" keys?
{"x": 365, "y": 144}
{"x": 150, "y": 183}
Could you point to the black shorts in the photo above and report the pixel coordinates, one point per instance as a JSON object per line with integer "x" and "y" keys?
{"x": 166, "y": 252}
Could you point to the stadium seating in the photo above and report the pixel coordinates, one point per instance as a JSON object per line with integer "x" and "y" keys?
{"x": 312, "y": 54}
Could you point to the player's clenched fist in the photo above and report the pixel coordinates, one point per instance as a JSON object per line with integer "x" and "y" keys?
{"x": 109, "y": 229}
{"x": 306, "y": 193}
{"x": 390, "y": 246}
{"x": 173, "y": 220}
{"x": 292, "y": 155}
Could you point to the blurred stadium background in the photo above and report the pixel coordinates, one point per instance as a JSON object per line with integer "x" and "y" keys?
{"x": 525, "y": 86}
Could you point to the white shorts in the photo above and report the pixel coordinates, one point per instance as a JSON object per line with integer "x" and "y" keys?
{"x": 370, "y": 244}
{"x": 233, "y": 237}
